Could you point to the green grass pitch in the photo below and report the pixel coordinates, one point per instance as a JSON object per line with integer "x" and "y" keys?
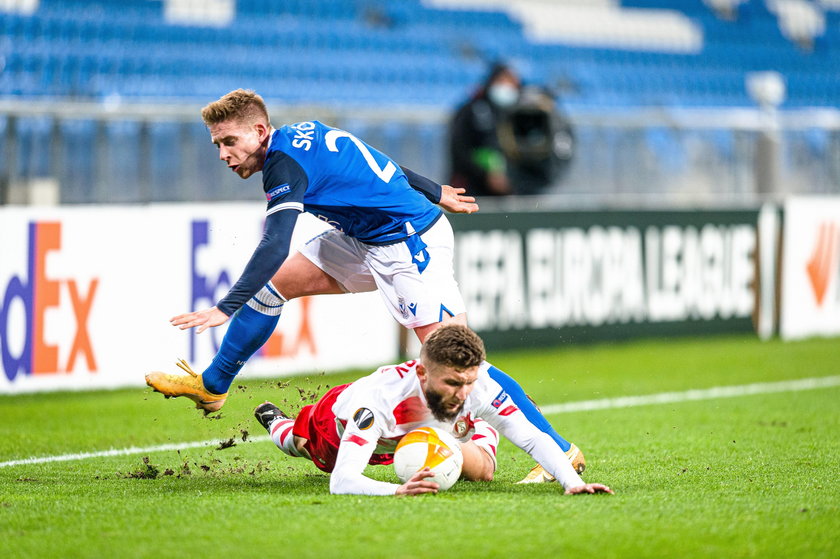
{"x": 748, "y": 476}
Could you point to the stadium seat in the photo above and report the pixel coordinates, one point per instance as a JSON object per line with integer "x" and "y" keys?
{"x": 336, "y": 53}
{"x": 426, "y": 49}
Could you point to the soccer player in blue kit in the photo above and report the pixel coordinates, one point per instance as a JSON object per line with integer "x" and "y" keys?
{"x": 388, "y": 234}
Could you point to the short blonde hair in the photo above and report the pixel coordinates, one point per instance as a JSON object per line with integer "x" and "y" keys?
{"x": 242, "y": 105}
{"x": 453, "y": 345}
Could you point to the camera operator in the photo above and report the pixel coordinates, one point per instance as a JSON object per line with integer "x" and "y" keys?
{"x": 508, "y": 139}
{"x": 537, "y": 140}
{"x": 477, "y": 161}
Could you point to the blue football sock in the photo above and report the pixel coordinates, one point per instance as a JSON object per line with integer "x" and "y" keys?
{"x": 249, "y": 329}
{"x": 515, "y": 392}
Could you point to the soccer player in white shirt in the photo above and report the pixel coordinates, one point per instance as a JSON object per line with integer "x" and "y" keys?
{"x": 357, "y": 424}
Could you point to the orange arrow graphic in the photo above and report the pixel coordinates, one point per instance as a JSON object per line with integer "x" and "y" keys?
{"x": 822, "y": 260}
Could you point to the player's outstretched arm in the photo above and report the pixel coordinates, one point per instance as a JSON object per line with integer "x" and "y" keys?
{"x": 589, "y": 488}
{"x": 454, "y": 200}
{"x": 417, "y": 484}
{"x": 204, "y": 319}
{"x": 542, "y": 448}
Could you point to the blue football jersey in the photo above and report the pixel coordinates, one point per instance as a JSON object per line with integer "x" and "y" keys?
{"x": 337, "y": 177}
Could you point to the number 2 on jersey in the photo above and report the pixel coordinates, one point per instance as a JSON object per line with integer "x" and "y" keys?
{"x": 384, "y": 174}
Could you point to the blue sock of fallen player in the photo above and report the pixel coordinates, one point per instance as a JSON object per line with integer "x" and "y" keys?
{"x": 521, "y": 400}
{"x": 249, "y": 329}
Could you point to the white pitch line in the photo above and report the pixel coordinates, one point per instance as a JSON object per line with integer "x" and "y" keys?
{"x": 551, "y": 409}
{"x": 119, "y": 452}
{"x": 694, "y": 395}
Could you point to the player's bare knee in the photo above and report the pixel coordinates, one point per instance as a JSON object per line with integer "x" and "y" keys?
{"x": 299, "y": 277}
{"x": 300, "y": 445}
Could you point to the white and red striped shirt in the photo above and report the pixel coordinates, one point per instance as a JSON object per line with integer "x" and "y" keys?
{"x": 376, "y": 411}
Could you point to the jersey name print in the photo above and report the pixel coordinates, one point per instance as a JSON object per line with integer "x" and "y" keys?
{"x": 345, "y": 182}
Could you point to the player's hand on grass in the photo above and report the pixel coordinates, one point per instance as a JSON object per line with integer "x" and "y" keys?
{"x": 589, "y": 488}
{"x": 418, "y": 485}
{"x": 205, "y": 319}
{"x": 453, "y": 200}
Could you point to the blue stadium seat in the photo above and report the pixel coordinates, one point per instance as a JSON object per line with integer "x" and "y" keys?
{"x": 338, "y": 52}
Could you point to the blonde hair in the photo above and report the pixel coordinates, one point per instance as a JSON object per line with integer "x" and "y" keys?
{"x": 453, "y": 345}
{"x": 242, "y": 105}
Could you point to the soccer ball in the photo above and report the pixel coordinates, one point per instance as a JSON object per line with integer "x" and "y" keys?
{"x": 433, "y": 448}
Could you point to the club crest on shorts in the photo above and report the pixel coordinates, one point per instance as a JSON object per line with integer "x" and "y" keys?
{"x": 363, "y": 418}
{"x": 403, "y": 307}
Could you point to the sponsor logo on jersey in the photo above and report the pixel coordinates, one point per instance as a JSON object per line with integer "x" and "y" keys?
{"x": 279, "y": 191}
{"x": 332, "y": 222}
{"x": 499, "y": 399}
{"x": 363, "y": 418}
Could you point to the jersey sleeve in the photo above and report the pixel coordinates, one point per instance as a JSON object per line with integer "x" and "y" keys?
{"x": 427, "y": 187}
{"x": 284, "y": 182}
{"x": 354, "y": 451}
{"x": 511, "y": 422}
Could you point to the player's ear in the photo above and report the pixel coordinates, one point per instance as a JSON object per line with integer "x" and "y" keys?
{"x": 421, "y": 371}
{"x": 262, "y": 130}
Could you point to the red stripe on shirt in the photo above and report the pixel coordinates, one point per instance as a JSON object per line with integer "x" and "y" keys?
{"x": 356, "y": 439}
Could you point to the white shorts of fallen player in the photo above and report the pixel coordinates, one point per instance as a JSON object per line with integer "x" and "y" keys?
{"x": 415, "y": 277}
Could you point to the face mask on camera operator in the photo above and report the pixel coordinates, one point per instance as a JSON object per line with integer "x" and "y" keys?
{"x": 503, "y": 91}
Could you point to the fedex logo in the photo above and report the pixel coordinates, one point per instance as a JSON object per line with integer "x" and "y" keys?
{"x": 292, "y": 343}
{"x": 207, "y": 287}
{"x": 40, "y": 295}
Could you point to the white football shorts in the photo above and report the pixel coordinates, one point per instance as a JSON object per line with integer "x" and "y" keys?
{"x": 415, "y": 277}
